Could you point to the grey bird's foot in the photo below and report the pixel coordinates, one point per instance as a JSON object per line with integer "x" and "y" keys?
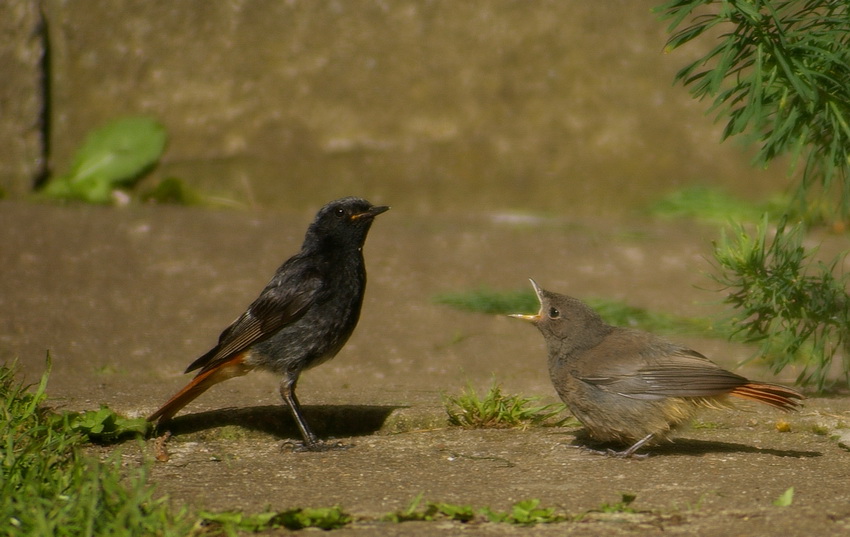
{"x": 318, "y": 445}
{"x": 629, "y": 453}
{"x": 624, "y": 454}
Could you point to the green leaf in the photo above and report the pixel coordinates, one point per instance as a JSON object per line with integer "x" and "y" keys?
{"x": 112, "y": 156}
{"x": 623, "y": 506}
{"x": 785, "y": 499}
{"x": 460, "y": 513}
{"x": 104, "y": 425}
{"x": 326, "y": 518}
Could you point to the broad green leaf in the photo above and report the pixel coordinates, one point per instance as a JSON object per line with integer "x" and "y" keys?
{"x": 785, "y": 499}
{"x": 112, "y": 156}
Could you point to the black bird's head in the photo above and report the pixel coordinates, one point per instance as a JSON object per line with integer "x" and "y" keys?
{"x": 564, "y": 321}
{"x": 343, "y": 223}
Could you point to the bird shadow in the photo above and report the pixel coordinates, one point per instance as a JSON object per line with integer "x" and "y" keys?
{"x": 275, "y": 420}
{"x": 693, "y": 447}
{"x": 697, "y": 448}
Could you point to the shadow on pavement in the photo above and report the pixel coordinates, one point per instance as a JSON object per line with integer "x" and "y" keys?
{"x": 696, "y": 448}
{"x": 325, "y": 420}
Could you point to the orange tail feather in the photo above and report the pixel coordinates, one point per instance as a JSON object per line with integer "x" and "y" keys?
{"x": 201, "y": 383}
{"x": 776, "y": 396}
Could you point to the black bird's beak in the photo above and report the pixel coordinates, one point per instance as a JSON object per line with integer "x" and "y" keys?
{"x": 531, "y": 318}
{"x": 371, "y": 213}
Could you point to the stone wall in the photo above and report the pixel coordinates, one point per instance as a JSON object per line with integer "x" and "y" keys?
{"x": 22, "y": 97}
{"x": 509, "y": 102}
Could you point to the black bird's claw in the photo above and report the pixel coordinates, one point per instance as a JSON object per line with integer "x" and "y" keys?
{"x": 317, "y": 446}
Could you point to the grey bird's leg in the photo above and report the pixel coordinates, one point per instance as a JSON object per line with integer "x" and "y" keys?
{"x": 628, "y": 453}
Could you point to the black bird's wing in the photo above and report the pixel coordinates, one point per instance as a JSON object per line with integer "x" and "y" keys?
{"x": 285, "y": 299}
{"x": 660, "y": 370}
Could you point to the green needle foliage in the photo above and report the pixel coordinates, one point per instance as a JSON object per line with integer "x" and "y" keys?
{"x": 779, "y": 75}
{"x": 797, "y": 307}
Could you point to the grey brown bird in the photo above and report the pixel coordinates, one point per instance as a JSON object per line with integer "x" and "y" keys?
{"x": 629, "y": 387}
{"x": 301, "y": 319}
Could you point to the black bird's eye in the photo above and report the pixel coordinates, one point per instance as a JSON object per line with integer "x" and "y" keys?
{"x": 339, "y": 213}
{"x": 554, "y": 313}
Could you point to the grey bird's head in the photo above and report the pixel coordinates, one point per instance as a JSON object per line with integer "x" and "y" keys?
{"x": 565, "y": 322}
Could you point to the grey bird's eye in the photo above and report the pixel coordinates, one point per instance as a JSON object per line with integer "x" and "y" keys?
{"x": 554, "y": 313}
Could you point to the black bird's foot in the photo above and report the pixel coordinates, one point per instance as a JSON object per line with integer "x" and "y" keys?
{"x": 315, "y": 446}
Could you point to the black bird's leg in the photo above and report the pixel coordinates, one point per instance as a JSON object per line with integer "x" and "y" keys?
{"x": 287, "y": 392}
{"x": 311, "y": 441}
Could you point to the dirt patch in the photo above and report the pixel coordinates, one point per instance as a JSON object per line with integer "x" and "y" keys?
{"x": 125, "y": 299}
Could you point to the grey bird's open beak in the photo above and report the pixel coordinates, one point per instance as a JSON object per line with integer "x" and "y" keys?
{"x": 526, "y": 317}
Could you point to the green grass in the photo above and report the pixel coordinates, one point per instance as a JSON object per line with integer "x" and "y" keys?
{"x": 500, "y": 411}
{"x": 233, "y": 522}
{"x": 706, "y": 204}
{"x": 489, "y": 301}
{"x": 714, "y": 206}
{"x": 523, "y": 513}
{"x": 49, "y": 487}
{"x": 483, "y": 300}
{"x": 622, "y": 506}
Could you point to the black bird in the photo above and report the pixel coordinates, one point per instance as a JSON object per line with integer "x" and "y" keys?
{"x": 301, "y": 319}
{"x": 630, "y": 387}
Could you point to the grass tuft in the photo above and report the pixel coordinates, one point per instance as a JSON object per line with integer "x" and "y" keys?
{"x": 500, "y": 411}
{"x": 705, "y": 204}
{"x": 49, "y": 487}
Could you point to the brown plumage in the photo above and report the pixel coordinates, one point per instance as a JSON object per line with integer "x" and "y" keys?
{"x": 630, "y": 387}
{"x": 235, "y": 367}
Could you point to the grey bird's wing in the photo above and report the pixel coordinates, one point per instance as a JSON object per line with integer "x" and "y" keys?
{"x": 642, "y": 366}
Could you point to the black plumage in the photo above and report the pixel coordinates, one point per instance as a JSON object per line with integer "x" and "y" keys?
{"x": 302, "y": 318}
